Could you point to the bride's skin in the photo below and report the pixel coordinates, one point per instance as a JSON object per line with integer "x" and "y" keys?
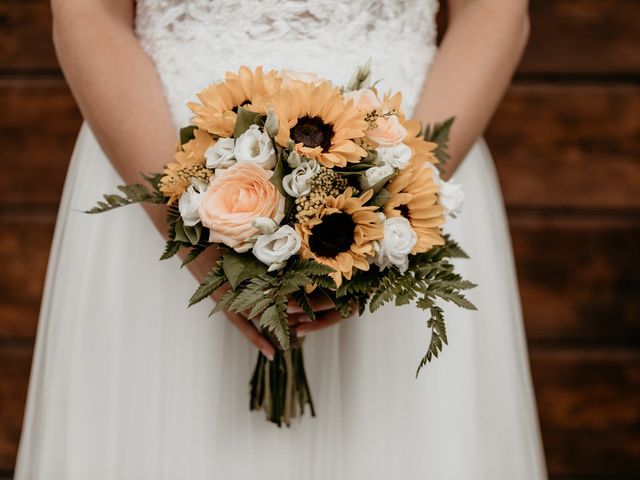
{"x": 120, "y": 95}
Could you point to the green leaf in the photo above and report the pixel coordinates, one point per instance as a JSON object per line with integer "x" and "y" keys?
{"x": 239, "y": 267}
{"x": 458, "y": 299}
{"x": 244, "y": 120}
{"x": 301, "y": 297}
{"x": 180, "y": 235}
{"x": 130, "y": 194}
{"x": 274, "y": 320}
{"x": 439, "y": 134}
{"x": 195, "y": 252}
{"x": 214, "y": 280}
{"x": 278, "y": 174}
{"x": 170, "y": 249}
{"x": 381, "y": 199}
{"x": 187, "y": 134}
{"x": 193, "y": 232}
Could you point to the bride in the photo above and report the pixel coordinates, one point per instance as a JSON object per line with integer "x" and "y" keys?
{"x": 127, "y": 383}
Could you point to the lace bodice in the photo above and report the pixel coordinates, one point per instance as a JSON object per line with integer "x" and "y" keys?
{"x": 193, "y": 42}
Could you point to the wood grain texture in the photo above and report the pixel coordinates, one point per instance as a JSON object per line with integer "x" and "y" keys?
{"x": 568, "y": 146}
{"x": 37, "y": 132}
{"x": 583, "y": 36}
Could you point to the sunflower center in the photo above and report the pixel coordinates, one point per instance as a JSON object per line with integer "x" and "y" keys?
{"x": 235, "y": 109}
{"x": 404, "y": 211}
{"x": 333, "y": 236}
{"x": 312, "y": 132}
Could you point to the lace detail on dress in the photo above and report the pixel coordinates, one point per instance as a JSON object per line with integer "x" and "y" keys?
{"x": 193, "y": 42}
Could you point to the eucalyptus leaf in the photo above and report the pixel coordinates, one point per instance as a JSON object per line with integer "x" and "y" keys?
{"x": 278, "y": 174}
{"x": 193, "y": 233}
{"x": 180, "y": 234}
{"x": 381, "y": 198}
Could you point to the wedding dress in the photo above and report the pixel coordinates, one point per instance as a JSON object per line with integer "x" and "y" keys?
{"x": 127, "y": 383}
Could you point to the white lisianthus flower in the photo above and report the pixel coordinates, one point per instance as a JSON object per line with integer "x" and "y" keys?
{"x": 189, "y": 203}
{"x": 397, "y": 243}
{"x": 451, "y": 194}
{"x": 451, "y": 197}
{"x": 276, "y": 248}
{"x": 256, "y": 147}
{"x": 374, "y": 175}
{"x": 397, "y": 156}
{"x": 296, "y": 183}
{"x": 220, "y": 154}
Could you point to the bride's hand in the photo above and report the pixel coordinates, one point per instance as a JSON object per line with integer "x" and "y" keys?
{"x": 325, "y": 313}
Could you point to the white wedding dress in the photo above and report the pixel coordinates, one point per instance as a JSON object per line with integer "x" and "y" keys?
{"x": 127, "y": 383}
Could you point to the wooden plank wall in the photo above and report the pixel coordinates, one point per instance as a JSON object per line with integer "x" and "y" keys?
{"x": 566, "y": 142}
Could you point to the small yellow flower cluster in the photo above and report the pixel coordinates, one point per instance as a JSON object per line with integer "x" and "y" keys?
{"x": 372, "y": 117}
{"x": 326, "y": 183}
{"x": 176, "y": 182}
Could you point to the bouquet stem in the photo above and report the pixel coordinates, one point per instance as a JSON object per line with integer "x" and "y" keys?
{"x": 280, "y": 387}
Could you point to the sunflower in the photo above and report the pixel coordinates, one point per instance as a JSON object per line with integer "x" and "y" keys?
{"x": 422, "y": 150}
{"x": 414, "y": 195}
{"x": 319, "y": 122}
{"x": 341, "y": 233}
{"x": 190, "y": 163}
{"x": 219, "y": 102}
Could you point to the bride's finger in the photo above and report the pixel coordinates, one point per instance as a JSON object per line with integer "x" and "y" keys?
{"x": 248, "y": 329}
{"x": 323, "y": 320}
{"x": 319, "y": 303}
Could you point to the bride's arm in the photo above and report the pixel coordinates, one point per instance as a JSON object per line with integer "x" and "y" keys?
{"x": 120, "y": 95}
{"x": 478, "y": 55}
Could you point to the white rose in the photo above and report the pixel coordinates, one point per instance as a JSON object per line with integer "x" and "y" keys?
{"x": 276, "y": 248}
{"x": 397, "y": 156}
{"x": 296, "y": 183}
{"x": 256, "y": 147}
{"x": 189, "y": 203}
{"x": 376, "y": 174}
{"x": 220, "y": 154}
{"x": 451, "y": 194}
{"x": 397, "y": 243}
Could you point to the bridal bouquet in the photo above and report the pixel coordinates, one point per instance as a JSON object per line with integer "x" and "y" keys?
{"x": 306, "y": 186}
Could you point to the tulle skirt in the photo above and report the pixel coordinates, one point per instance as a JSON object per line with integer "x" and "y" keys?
{"x": 128, "y": 383}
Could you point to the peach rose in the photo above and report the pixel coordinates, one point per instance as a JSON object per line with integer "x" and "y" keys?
{"x": 388, "y": 132}
{"x": 364, "y": 99}
{"x": 290, "y": 78}
{"x": 235, "y": 197}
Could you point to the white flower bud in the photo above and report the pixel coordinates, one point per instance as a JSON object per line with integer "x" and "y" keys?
{"x": 256, "y": 147}
{"x": 189, "y": 203}
{"x": 220, "y": 154}
{"x": 294, "y": 160}
{"x": 375, "y": 175}
{"x": 276, "y": 248}
{"x": 272, "y": 124}
{"x": 397, "y": 156}
{"x": 396, "y": 245}
{"x": 296, "y": 183}
{"x": 266, "y": 225}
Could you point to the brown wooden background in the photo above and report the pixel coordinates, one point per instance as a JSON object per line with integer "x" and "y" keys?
{"x": 567, "y": 146}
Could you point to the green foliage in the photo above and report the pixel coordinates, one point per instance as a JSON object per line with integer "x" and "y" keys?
{"x": 439, "y": 133}
{"x": 187, "y": 134}
{"x": 360, "y": 78}
{"x": 245, "y": 119}
{"x": 241, "y": 266}
{"x": 214, "y": 280}
{"x": 130, "y": 194}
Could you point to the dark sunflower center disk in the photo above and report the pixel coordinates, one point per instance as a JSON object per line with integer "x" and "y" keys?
{"x": 312, "y": 132}
{"x": 235, "y": 109}
{"x": 333, "y": 236}
{"x": 404, "y": 211}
